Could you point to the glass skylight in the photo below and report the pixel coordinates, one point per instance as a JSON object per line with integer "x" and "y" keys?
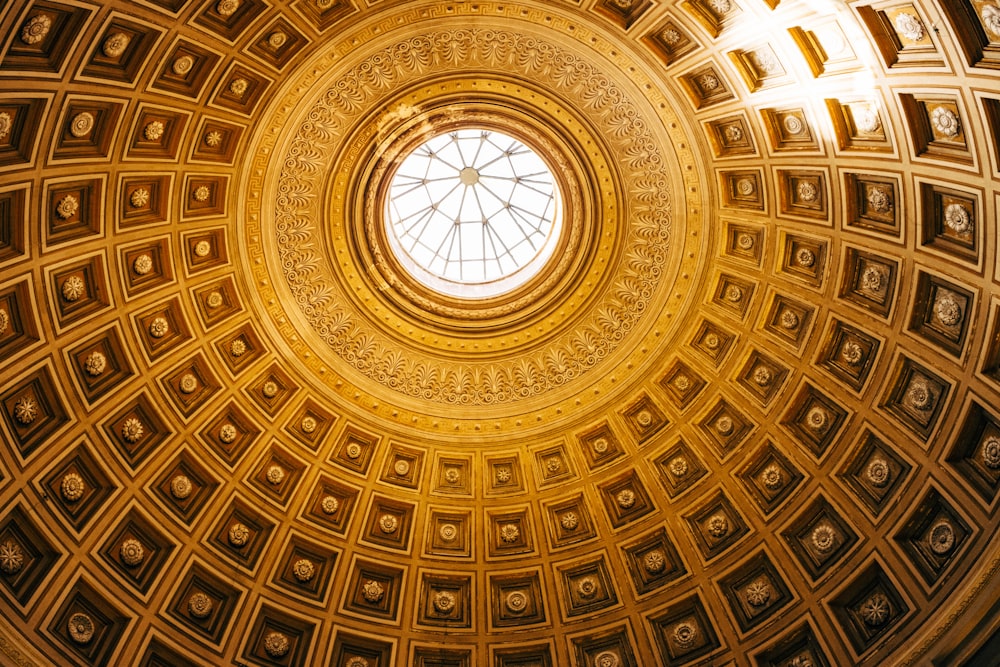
{"x": 472, "y": 212}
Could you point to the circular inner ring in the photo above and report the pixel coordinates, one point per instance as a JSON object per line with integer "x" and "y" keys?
{"x": 473, "y": 213}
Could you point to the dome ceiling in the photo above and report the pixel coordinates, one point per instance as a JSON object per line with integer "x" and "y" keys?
{"x": 744, "y": 414}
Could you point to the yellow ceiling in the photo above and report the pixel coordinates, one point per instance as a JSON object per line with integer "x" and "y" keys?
{"x": 745, "y": 416}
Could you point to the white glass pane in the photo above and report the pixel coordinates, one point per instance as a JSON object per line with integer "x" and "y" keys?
{"x": 471, "y": 206}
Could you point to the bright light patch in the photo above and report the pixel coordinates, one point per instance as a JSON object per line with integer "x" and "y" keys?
{"x": 472, "y": 212}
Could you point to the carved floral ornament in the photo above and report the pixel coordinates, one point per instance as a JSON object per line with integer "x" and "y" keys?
{"x": 444, "y": 602}
{"x": 296, "y": 223}
{"x": 946, "y": 122}
{"x": 80, "y": 628}
{"x": 200, "y": 605}
{"x": 11, "y": 557}
{"x": 910, "y": 27}
{"x": 276, "y": 644}
{"x": 132, "y": 552}
{"x": 654, "y": 561}
{"x": 138, "y": 199}
{"x": 607, "y": 659}
{"x": 35, "y": 29}
{"x": 82, "y": 124}
{"x": 990, "y": 15}
{"x": 304, "y": 569}
{"x": 115, "y": 44}
{"x": 880, "y": 199}
{"x": 758, "y": 592}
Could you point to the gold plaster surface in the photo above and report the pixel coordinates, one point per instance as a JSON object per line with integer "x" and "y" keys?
{"x": 644, "y": 345}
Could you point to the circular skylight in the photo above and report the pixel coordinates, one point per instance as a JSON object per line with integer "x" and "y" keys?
{"x": 473, "y": 213}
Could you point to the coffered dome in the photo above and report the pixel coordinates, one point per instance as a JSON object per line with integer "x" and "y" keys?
{"x": 527, "y": 333}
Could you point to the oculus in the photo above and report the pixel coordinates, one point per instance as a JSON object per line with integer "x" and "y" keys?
{"x": 472, "y": 213}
